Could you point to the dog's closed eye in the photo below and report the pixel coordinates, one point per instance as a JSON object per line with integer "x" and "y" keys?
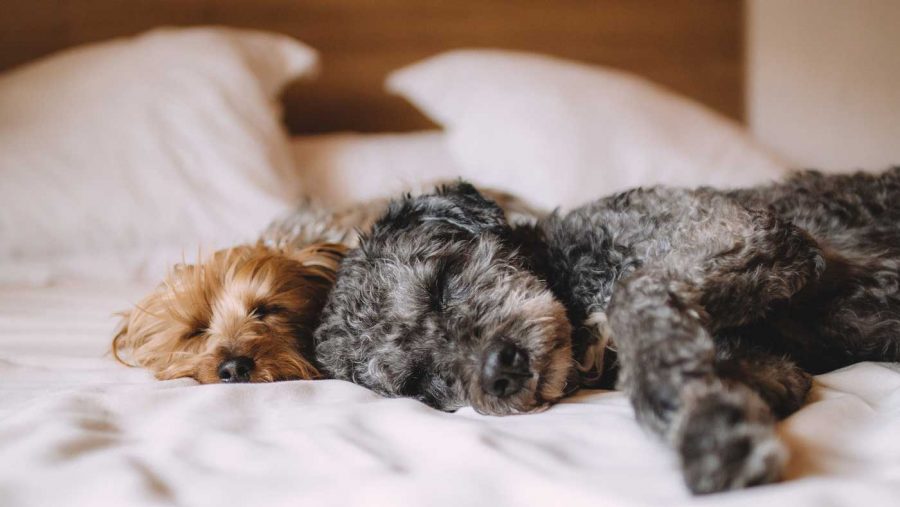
{"x": 442, "y": 289}
{"x": 262, "y": 310}
{"x": 194, "y": 333}
{"x": 438, "y": 293}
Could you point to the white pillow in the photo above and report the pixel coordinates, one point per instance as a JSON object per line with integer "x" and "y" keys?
{"x": 342, "y": 169}
{"x": 560, "y": 133}
{"x": 172, "y": 137}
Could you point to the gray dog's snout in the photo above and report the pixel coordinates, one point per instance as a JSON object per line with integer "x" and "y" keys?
{"x": 505, "y": 370}
{"x": 236, "y": 370}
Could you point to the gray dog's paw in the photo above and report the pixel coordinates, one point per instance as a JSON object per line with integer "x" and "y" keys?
{"x": 727, "y": 443}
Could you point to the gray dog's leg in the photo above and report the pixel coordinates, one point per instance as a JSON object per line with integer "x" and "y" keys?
{"x": 722, "y": 429}
{"x": 776, "y": 379}
{"x": 717, "y": 412}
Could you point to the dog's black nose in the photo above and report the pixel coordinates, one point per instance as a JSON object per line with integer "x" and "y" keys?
{"x": 236, "y": 369}
{"x": 505, "y": 370}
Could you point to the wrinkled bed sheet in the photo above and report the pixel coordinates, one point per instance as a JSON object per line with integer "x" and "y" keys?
{"x": 78, "y": 429}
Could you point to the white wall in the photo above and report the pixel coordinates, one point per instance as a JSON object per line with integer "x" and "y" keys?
{"x": 824, "y": 81}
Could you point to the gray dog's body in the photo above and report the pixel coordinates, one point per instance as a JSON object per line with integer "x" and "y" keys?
{"x": 718, "y": 305}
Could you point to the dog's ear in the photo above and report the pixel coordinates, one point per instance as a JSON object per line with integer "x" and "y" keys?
{"x": 120, "y": 334}
{"x": 459, "y": 205}
{"x": 321, "y": 259}
{"x": 478, "y": 212}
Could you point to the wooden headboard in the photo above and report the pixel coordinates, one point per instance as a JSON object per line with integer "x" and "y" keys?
{"x": 692, "y": 46}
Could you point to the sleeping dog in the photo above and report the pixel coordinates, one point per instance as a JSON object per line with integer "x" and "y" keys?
{"x": 709, "y": 308}
{"x": 246, "y": 313}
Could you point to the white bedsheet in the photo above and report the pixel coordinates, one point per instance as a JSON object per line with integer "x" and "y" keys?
{"x": 78, "y": 429}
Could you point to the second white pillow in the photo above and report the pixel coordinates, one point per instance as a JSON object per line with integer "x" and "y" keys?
{"x": 562, "y": 133}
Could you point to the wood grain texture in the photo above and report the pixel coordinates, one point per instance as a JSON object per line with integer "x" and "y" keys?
{"x": 692, "y": 46}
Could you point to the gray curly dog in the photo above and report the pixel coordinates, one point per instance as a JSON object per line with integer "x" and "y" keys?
{"x": 709, "y": 308}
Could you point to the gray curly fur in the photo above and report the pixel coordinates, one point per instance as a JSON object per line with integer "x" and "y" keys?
{"x": 713, "y": 307}
{"x": 429, "y": 289}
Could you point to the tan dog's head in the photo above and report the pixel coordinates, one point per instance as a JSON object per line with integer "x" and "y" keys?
{"x": 245, "y": 315}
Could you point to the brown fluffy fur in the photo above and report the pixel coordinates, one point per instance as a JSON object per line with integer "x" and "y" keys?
{"x": 252, "y": 301}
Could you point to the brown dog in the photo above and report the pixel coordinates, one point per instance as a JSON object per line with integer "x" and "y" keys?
{"x": 247, "y": 313}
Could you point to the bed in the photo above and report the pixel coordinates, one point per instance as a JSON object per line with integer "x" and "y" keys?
{"x": 107, "y": 183}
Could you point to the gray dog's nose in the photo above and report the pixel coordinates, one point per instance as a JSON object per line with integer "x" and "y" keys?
{"x": 236, "y": 369}
{"x": 505, "y": 370}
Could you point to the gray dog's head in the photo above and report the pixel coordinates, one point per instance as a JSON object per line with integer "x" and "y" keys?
{"x": 436, "y": 304}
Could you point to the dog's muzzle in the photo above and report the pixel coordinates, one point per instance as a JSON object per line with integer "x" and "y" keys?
{"x": 236, "y": 370}
{"x": 505, "y": 370}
